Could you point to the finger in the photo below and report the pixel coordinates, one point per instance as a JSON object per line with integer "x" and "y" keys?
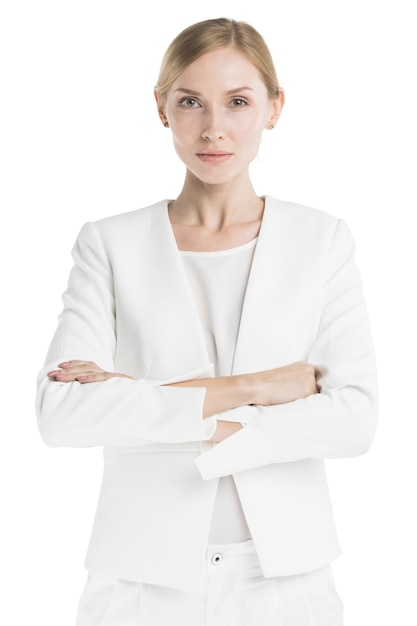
{"x": 96, "y": 377}
{"x": 80, "y": 367}
{"x": 72, "y": 373}
{"x": 77, "y": 363}
{"x": 63, "y": 376}
{"x": 71, "y": 367}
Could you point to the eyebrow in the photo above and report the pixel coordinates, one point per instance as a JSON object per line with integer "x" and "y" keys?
{"x": 229, "y": 92}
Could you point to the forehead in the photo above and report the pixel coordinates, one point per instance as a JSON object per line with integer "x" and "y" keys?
{"x": 223, "y": 68}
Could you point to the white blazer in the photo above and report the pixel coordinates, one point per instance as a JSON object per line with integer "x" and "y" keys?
{"x": 129, "y": 308}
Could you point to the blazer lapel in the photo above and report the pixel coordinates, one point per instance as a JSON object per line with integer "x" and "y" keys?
{"x": 179, "y": 332}
{"x": 268, "y": 326}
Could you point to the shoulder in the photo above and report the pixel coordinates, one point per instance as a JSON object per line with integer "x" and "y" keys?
{"x": 306, "y": 228}
{"x": 124, "y": 227}
{"x": 299, "y": 214}
{"x": 140, "y": 217}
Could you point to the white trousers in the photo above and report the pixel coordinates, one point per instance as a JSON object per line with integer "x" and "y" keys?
{"x": 233, "y": 592}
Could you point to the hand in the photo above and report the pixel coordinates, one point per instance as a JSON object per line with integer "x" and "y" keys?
{"x": 284, "y": 384}
{"x": 83, "y": 372}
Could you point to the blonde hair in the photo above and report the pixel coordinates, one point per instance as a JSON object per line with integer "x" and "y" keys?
{"x": 212, "y": 34}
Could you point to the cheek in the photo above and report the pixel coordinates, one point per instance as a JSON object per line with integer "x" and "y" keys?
{"x": 184, "y": 131}
{"x": 184, "y": 142}
{"x": 250, "y": 123}
{"x": 250, "y": 132}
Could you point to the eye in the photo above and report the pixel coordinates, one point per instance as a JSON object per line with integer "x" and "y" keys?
{"x": 239, "y": 102}
{"x": 189, "y": 103}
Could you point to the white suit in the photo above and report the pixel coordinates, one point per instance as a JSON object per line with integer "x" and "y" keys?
{"x": 129, "y": 308}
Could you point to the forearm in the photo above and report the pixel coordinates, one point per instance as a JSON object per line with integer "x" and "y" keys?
{"x": 275, "y": 386}
{"x": 222, "y": 393}
{"x": 269, "y": 387}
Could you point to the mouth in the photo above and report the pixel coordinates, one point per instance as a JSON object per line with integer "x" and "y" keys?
{"x": 213, "y": 156}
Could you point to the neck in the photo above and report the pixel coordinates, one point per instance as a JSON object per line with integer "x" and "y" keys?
{"x": 216, "y": 206}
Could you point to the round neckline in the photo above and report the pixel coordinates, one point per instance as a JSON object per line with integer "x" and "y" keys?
{"x": 216, "y": 253}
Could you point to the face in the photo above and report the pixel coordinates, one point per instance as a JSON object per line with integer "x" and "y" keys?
{"x": 217, "y": 110}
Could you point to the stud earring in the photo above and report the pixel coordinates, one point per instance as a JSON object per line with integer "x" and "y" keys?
{"x": 166, "y": 124}
{"x": 271, "y": 126}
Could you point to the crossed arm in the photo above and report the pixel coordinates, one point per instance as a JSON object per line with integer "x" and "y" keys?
{"x": 265, "y": 388}
{"x": 288, "y": 420}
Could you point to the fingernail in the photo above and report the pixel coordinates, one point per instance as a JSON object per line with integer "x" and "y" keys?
{"x": 66, "y": 364}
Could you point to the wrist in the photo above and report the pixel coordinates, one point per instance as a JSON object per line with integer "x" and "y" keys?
{"x": 247, "y": 388}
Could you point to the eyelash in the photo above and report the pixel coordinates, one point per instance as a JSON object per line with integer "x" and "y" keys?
{"x": 241, "y": 100}
{"x": 183, "y": 102}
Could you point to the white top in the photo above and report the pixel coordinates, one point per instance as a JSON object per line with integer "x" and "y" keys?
{"x": 218, "y": 281}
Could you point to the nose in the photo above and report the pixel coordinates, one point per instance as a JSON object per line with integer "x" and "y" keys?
{"x": 212, "y": 131}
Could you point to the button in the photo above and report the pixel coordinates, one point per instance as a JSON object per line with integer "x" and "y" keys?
{"x": 217, "y": 558}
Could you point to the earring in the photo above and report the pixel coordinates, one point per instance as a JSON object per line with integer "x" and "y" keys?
{"x": 271, "y": 126}
{"x": 166, "y": 124}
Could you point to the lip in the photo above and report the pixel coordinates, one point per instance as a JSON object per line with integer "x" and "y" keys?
{"x": 213, "y": 156}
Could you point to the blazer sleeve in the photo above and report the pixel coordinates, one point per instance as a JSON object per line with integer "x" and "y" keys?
{"x": 117, "y": 412}
{"x": 339, "y": 421}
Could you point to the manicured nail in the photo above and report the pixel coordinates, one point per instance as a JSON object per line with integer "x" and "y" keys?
{"x": 67, "y": 364}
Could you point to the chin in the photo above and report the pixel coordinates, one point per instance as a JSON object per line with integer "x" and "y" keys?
{"x": 215, "y": 177}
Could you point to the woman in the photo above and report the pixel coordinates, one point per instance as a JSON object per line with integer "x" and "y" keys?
{"x": 217, "y": 346}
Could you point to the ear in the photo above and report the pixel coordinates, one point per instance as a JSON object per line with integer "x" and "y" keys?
{"x": 276, "y": 108}
{"x": 160, "y": 103}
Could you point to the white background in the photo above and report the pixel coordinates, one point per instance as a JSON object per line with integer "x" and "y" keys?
{"x": 80, "y": 139}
